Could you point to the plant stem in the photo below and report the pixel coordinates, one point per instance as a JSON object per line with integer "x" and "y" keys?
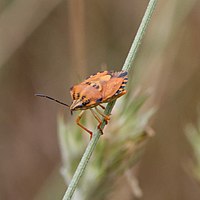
{"x": 139, "y": 35}
{"x": 127, "y": 66}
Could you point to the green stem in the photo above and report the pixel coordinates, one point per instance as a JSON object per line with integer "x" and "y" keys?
{"x": 140, "y": 33}
{"x": 127, "y": 65}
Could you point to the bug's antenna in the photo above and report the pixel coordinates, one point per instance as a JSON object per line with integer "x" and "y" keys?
{"x": 48, "y": 97}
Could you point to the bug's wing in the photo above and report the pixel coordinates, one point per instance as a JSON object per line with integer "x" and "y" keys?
{"x": 115, "y": 87}
{"x": 97, "y": 77}
{"x": 97, "y": 80}
{"x": 111, "y": 87}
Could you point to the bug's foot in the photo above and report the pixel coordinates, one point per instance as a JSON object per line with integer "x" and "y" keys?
{"x": 99, "y": 127}
{"x": 91, "y": 135}
{"x": 101, "y": 131}
{"x": 106, "y": 118}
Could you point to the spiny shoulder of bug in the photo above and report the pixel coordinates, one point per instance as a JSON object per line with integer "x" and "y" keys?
{"x": 91, "y": 92}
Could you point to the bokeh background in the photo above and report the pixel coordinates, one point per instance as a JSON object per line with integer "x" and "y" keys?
{"x": 47, "y": 46}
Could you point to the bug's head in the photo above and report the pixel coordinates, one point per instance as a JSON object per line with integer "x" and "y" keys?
{"x": 76, "y": 105}
{"x": 79, "y": 104}
{"x": 80, "y": 96}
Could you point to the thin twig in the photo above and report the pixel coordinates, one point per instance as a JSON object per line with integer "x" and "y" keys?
{"x": 127, "y": 66}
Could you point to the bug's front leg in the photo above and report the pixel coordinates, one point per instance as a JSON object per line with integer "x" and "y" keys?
{"x": 98, "y": 119}
{"x": 79, "y": 124}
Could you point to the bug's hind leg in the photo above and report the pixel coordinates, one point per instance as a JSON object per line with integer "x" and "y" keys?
{"x": 98, "y": 119}
{"x": 106, "y": 117}
{"x": 79, "y": 124}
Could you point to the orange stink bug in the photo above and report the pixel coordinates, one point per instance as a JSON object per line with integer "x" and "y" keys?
{"x": 99, "y": 88}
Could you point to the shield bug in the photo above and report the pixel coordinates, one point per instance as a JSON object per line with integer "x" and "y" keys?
{"x": 99, "y": 88}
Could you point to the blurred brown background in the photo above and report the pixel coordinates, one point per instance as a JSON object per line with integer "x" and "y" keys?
{"x": 47, "y": 46}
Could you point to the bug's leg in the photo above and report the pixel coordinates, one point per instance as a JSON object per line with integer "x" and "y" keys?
{"x": 83, "y": 127}
{"x": 102, "y": 107}
{"x": 98, "y": 119}
{"x": 106, "y": 117}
